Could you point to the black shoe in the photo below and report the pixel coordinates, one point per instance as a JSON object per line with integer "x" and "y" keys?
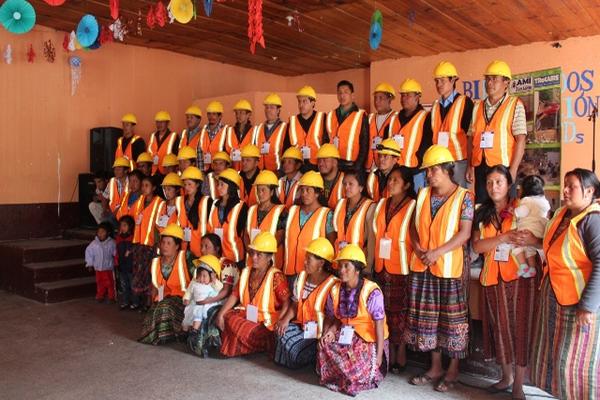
{"x": 123, "y": 306}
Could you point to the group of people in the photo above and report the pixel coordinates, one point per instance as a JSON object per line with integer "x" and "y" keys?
{"x": 339, "y": 240}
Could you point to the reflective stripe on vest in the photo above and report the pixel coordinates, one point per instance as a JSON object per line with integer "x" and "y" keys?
{"x": 348, "y": 145}
{"x": 336, "y": 193}
{"x": 297, "y": 240}
{"x": 128, "y": 152}
{"x": 399, "y": 264}
{"x": 178, "y": 274}
{"x": 355, "y": 232}
{"x": 263, "y": 298}
{"x": 230, "y": 240}
{"x": 287, "y": 199}
{"x": 212, "y": 186}
{"x": 312, "y": 308}
{"x": 275, "y": 145}
{"x": 413, "y": 134}
{"x": 270, "y": 220}
{"x": 312, "y": 138}
{"x": 146, "y": 228}
{"x": 451, "y": 124}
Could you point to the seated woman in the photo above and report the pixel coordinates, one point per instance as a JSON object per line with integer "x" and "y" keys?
{"x": 297, "y": 341}
{"x": 262, "y": 294}
{"x": 170, "y": 279}
{"x": 353, "y": 351}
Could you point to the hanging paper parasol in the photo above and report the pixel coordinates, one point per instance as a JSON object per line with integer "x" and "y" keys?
{"x": 55, "y": 3}
{"x": 377, "y": 17}
{"x": 87, "y": 30}
{"x": 375, "y": 35}
{"x": 183, "y": 10}
{"x": 208, "y": 7}
{"x": 17, "y": 16}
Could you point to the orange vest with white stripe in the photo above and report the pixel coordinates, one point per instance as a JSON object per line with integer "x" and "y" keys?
{"x": 297, "y": 239}
{"x": 363, "y": 324}
{"x": 184, "y": 140}
{"x": 213, "y": 146}
{"x": 413, "y": 134}
{"x": 501, "y": 125}
{"x": 177, "y": 282}
{"x": 336, "y": 192}
{"x": 163, "y": 211}
{"x": 126, "y": 209}
{"x": 401, "y": 250}
{"x": 159, "y": 153}
{"x": 567, "y": 263}
{"x": 212, "y": 185}
{"x": 434, "y": 232}
{"x": 128, "y": 151}
{"x": 272, "y": 160}
{"x": 457, "y": 137}
{"x": 247, "y": 195}
{"x": 289, "y": 199}
{"x": 354, "y": 233}
{"x": 268, "y": 224}
{"x": 232, "y": 143}
{"x": 373, "y": 187}
{"x": 348, "y": 133}
{"x": 144, "y": 220}
{"x": 313, "y": 138}
{"x": 389, "y": 128}
{"x": 233, "y": 247}
{"x": 264, "y": 299}
{"x": 200, "y": 230}
{"x": 313, "y": 307}
{"x": 114, "y": 196}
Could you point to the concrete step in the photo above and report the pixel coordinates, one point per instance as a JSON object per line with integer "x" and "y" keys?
{"x": 55, "y": 270}
{"x": 67, "y": 289}
{"x": 40, "y": 250}
{"x": 87, "y": 234}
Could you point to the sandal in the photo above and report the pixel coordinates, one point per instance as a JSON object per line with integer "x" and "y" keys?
{"x": 444, "y": 385}
{"x": 420, "y": 380}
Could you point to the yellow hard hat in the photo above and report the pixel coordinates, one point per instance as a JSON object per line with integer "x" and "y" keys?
{"x": 292, "y": 152}
{"x": 186, "y": 153}
{"x": 410, "y": 85}
{"x": 250, "y": 151}
{"x": 121, "y": 162}
{"x": 273, "y": 99}
{"x": 172, "y": 179}
{"x": 499, "y": 68}
{"x": 436, "y": 155}
{"x": 352, "y": 252}
{"x": 266, "y": 177}
{"x": 173, "y": 230}
{"x": 264, "y": 242}
{"x": 162, "y": 116}
{"x": 445, "y": 69}
{"x": 321, "y": 247}
{"x": 170, "y": 160}
{"x": 193, "y": 173}
{"x": 312, "y": 179}
{"x": 214, "y": 107}
{"x": 221, "y": 155}
{"x": 194, "y": 110}
{"x": 129, "y": 118}
{"x": 144, "y": 157}
{"x": 209, "y": 262}
{"x": 385, "y": 87}
{"x": 243, "y": 104}
{"x": 232, "y": 176}
{"x": 389, "y": 147}
{"x": 328, "y": 151}
{"x": 307, "y": 91}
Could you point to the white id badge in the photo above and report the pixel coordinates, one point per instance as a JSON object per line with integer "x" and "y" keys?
{"x": 155, "y": 160}
{"x": 305, "y": 152}
{"x": 385, "y": 248}
{"x": 219, "y": 232}
{"x": 487, "y": 140}
{"x": 310, "y": 330}
{"x": 253, "y": 234}
{"x": 502, "y": 252}
{"x": 342, "y": 244}
{"x": 187, "y": 234}
{"x": 399, "y": 140}
{"x": 443, "y": 139}
{"x": 336, "y": 142}
{"x": 138, "y": 220}
{"x": 264, "y": 149}
{"x": 236, "y": 155}
{"x": 207, "y": 158}
{"x": 376, "y": 141}
{"x": 163, "y": 220}
{"x": 161, "y": 293}
{"x": 346, "y": 335}
{"x": 252, "y": 313}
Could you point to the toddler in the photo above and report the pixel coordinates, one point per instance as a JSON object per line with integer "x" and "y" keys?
{"x": 99, "y": 255}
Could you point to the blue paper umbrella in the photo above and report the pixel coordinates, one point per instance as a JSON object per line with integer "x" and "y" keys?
{"x": 96, "y": 45}
{"x": 375, "y": 35}
{"x": 87, "y": 30}
{"x": 208, "y": 7}
{"x": 17, "y": 16}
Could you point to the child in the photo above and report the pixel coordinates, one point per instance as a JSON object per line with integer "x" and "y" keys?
{"x": 124, "y": 263}
{"x": 532, "y": 215}
{"x": 205, "y": 285}
{"x": 96, "y": 208}
{"x": 100, "y": 255}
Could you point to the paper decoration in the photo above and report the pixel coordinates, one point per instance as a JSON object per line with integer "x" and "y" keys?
{"x": 138, "y": 30}
{"x": 150, "y": 19}
{"x": 72, "y": 41}
{"x": 65, "y": 43}
{"x": 55, "y": 3}
{"x": 208, "y": 4}
{"x": 182, "y": 10}
{"x": 8, "y": 54}
{"x": 114, "y": 9}
{"x": 17, "y": 16}
{"x": 255, "y": 26}
{"x": 75, "y": 64}
{"x": 49, "y": 51}
{"x": 87, "y": 30}
{"x": 30, "y": 54}
{"x": 376, "y": 30}
{"x": 160, "y": 14}
{"x": 118, "y": 29}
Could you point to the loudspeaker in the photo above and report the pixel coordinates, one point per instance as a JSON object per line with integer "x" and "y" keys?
{"x": 87, "y": 188}
{"x": 103, "y": 143}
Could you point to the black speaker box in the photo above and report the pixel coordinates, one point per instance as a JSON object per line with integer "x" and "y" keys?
{"x": 103, "y": 143}
{"x": 87, "y": 188}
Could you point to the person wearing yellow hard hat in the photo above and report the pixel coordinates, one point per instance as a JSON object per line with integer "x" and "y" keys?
{"x": 213, "y": 135}
{"x": 388, "y": 156}
{"x": 294, "y": 348}
{"x": 171, "y": 187}
{"x": 328, "y": 158}
{"x": 348, "y": 128}
{"x": 291, "y": 164}
{"x": 191, "y": 134}
{"x": 270, "y": 135}
{"x": 384, "y": 122}
{"x": 306, "y": 131}
{"x": 498, "y": 129}
{"x": 129, "y": 145}
{"x": 240, "y": 134}
{"x": 415, "y": 133}
{"x": 169, "y": 164}
{"x": 129, "y": 200}
{"x": 220, "y": 162}
{"x": 162, "y": 142}
{"x": 193, "y": 209}
{"x": 117, "y": 186}
{"x": 144, "y": 163}
{"x": 262, "y": 295}
{"x": 250, "y": 161}
{"x": 187, "y": 157}
{"x": 439, "y": 232}
{"x": 199, "y": 296}
{"x": 352, "y": 354}
{"x": 451, "y": 118}
{"x": 170, "y": 278}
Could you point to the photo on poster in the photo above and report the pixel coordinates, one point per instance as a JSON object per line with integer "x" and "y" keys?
{"x": 547, "y": 117}
{"x": 542, "y": 161}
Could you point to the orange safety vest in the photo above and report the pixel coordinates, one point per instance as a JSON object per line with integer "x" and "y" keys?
{"x": 184, "y": 140}
{"x": 289, "y": 199}
{"x": 271, "y": 160}
{"x": 200, "y": 230}
{"x": 163, "y": 211}
{"x": 233, "y": 247}
{"x": 178, "y": 280}
{"x": 337, "y": 192}
{"x": 501, "y": 125}
{"x": 232, "y": 143}
{"x": 297, "y": 239}
{"x": 312, "y": 139}
{"x": 457, "y": 137}
{"x": 313, "y": 307}
{"x": 145, "y": 219}
{"x": 114, "y": 196}
{"x": 159, "y": 153}
{"x": 412, "y": 133}
{"x": 264, "y": 299}
{"x": 567, "y": 263}
{"x": 347, "y": 133}
{"x": 354, "y": 233}
{"x": 397, "y": 230}
{"x": 268, "y": 224}
{"x": 389, "y": 128}
{"x": 363, "y": 325}
{"x": 373, "y": 187}
{"x": 125, "y": 208}
{"x": 212, "y": 185}
{"x": 248, "y": 196}
{"x": 128, "y": 151}
{"x": 435, "y": 232}
{"x": 213, "y": 146}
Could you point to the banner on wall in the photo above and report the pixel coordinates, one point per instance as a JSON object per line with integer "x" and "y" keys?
{"x": 540, "y": 92}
